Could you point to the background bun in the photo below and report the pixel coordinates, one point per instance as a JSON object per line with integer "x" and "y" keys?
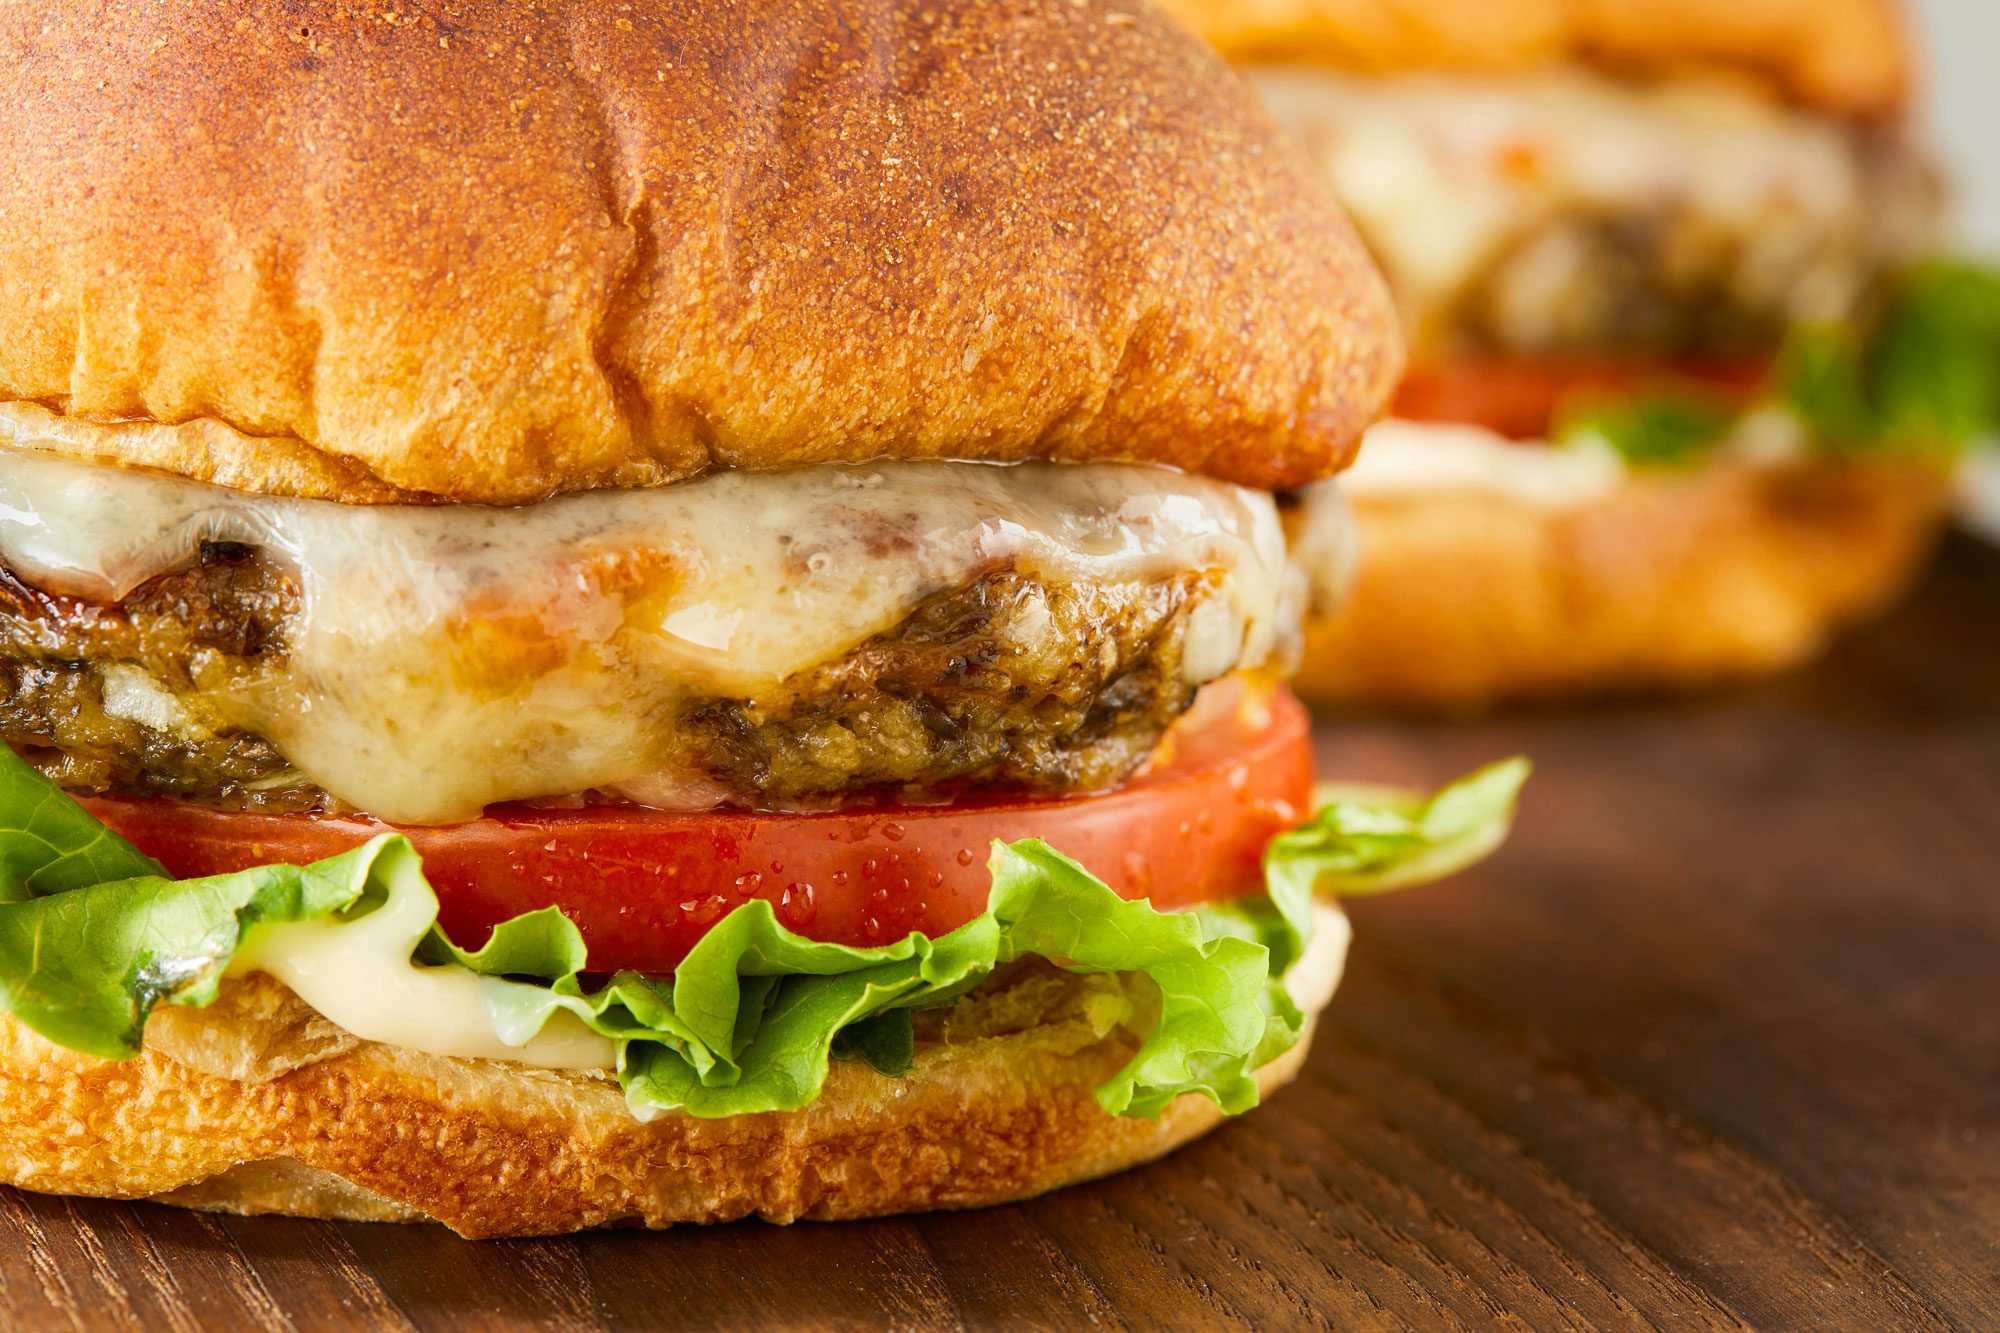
{"x": 1842, "y": 55}
{"x": 495, "y": 252}
{"x": 1467, "y": 598}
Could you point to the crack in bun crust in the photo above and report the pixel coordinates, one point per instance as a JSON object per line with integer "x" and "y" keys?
{"x": 1668, "y": 582}
{"x": 495, "y": 252}
{"x": 376, "y": 1133}
{"x": 1844, "y": 56}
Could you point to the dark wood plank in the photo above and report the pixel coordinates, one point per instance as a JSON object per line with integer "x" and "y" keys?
{"x": 1713, "y": 1043}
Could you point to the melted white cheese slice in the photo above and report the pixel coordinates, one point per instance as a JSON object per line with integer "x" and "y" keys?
{"x": 450, "y": 657}
{"x": 359, "y": 975}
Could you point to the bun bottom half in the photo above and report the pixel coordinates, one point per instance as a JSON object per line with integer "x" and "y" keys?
{"x": 1467, "y": 599}
{"x": 258, "y": 1105}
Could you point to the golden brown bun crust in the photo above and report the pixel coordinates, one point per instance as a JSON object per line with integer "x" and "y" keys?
{"x": 493, "y": 252}
{"x": 1846, "y": 56}
{"x": 277, "y": 1111}
{"x": 1466, "y": 599}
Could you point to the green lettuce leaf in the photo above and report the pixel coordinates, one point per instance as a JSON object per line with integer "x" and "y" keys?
{"x": 84, "y": 967}
{"x": 1918, "y": 381}
{"x": 92, "y": 937}
{"x": 49, "y": 843}
{"x": 1367, "y": 840}
{"x": 750, "y": 1019}
{"x": 1656, "y": 429}
{"x": 1924, "y": 378}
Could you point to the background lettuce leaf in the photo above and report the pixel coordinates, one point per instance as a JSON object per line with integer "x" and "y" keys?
{"x": 1927, "y": 375}
{"x": 1919, "y": 380}
{"x": 1651, "y": 429}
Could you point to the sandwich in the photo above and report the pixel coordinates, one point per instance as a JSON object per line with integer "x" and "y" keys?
{"x": 663, "y": 612}
{"x": 1686, "y": 381}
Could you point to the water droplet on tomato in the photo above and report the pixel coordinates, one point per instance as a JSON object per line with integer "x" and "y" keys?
{"x": 965, "y": 856}
{"x": 747, "y": 884}
{"x": 796, "y": 907}
{"x": 870, "y": 868}
{"x": 839, "y": 879}
{"x": 937, "y": 879}
{"x": 892, "y": 831}
{"x": 878, "y": 895}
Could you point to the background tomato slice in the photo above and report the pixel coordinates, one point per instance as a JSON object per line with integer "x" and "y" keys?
{"x": 1520, "y": 398}
{"x": 644, "y": 885}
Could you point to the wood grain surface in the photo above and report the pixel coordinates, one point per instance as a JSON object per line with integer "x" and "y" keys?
{"x": 1715, "y": 1041}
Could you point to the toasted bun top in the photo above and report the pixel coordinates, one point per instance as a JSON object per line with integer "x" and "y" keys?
{"x": 494, "y": 252}
{"x": 1846, "y": 56}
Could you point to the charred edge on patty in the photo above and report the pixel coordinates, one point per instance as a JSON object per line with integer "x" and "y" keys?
{"x": 1006, "y": 681}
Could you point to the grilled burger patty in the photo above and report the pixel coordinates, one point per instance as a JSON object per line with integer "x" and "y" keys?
{"x": 1570, "y": 212}
{"x": 1051, "y": 687}
{"x": 1663, "y": 280}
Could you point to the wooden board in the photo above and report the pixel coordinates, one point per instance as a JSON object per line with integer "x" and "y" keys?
{"x": 1715, "y": 1041}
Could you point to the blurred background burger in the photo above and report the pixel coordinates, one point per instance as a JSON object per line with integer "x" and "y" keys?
{"x": 1686, "y": 384}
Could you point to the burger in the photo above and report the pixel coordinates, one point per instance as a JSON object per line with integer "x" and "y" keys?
{"x": 659, "y": 612}
{"x": 1685, "y": 385}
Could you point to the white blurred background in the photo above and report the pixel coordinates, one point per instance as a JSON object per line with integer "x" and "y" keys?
{"x": 1962, "y": 50}
{"x": 1962, "y": 45}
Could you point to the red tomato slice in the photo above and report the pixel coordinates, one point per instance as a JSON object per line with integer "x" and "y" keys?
{"x": 644, "y": 885}
{"x": 1520, "y": 398}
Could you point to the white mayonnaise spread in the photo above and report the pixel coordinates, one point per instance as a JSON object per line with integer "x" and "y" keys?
{"x": 1403, "y": 460}
{"x": 1441, "y": 170}
{"x": 1418, "y": 457}
{"x": 448, "y": 657}
{"x": 358, "y": 975}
